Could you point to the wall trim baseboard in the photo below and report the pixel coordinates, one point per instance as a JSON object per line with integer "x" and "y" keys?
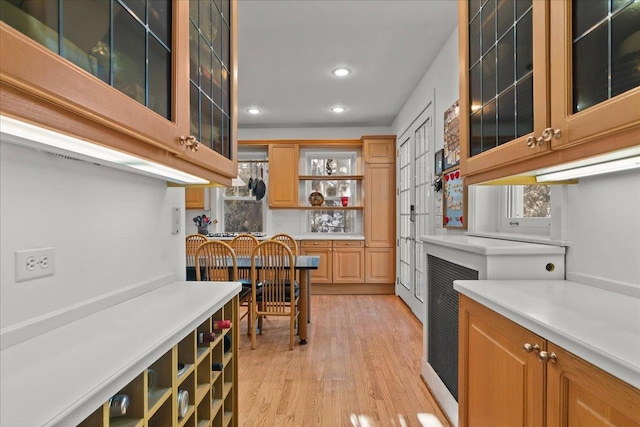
{"x": 606, "y": 284}
{"x": 353, "y": 289}
{"x": 440, "y": 393}
{"x": 15, "y": 334}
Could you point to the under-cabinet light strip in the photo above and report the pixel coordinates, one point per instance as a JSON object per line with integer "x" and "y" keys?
{"x": 590, "y": 170}
{"x": 31, "y": 136}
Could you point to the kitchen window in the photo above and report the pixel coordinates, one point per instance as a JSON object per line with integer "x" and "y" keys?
{"x": 526, "y": 209}
{"x": 241, "y": 211}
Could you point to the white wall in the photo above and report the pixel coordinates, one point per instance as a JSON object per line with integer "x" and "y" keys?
{"x": 440, "y": 83}
{"x": 311, "y": 133}
{"x": 604, "y": 229}
{"x": 441, "y": 77}
{"x": 110, "y": 230}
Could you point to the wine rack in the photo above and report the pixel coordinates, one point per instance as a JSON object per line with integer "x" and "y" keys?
{"x": 153, "y": 393}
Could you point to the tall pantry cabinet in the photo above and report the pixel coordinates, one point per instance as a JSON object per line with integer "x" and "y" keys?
{"x": 379, "y": 209}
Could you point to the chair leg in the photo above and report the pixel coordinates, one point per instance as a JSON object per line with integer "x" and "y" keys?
{"x": 291, "y": 334}
{"x": 253, "y": 329}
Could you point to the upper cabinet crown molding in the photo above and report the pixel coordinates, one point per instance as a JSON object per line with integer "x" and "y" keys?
{"x": 79, "y": 91}
{"x": 523, "y": 80}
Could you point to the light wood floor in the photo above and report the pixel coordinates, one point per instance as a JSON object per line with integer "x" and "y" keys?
{"x": 361, "y": 367}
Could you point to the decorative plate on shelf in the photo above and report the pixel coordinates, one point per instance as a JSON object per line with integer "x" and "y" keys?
{"x": 316, "y": 199}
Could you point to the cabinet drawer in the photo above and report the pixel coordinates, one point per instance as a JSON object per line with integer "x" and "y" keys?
{"x": 348, "y": 244}
{"x": 315, "y": 243}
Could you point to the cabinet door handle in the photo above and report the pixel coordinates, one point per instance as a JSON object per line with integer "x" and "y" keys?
{"x": 545, "y": 357}
{"x": 530, "y": 348}
{"x": 190, "y": 141}
{"x": 549, "y": 133}
{"x": 531, "y": 142}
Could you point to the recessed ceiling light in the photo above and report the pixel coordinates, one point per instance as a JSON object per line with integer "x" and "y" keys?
{"x": 338, "y": 109}
{"x": 254, "y": 111}
{"x": 341, "y": 72}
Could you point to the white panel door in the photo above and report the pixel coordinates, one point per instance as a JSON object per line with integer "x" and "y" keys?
{"x": 415, "y": 184}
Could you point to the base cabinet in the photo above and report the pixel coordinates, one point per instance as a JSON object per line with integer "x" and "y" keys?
{"x": 341, "y": 261}
{"x": 379, "y": 265}
{"x": 502, "y": 379}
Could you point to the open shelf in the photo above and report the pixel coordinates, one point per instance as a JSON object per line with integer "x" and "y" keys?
{"x": 329, "y": 177}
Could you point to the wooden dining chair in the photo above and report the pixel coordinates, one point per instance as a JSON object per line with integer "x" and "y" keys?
{"x": 243, "y": 245}
{"x": 193, "y": 241}
{"x": 273, "y": 288}
{"x": 216, "y": 262}
{"x": 288, "y": 240}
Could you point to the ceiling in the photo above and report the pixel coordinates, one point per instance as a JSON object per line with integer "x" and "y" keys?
{"x": 287, "y": 49}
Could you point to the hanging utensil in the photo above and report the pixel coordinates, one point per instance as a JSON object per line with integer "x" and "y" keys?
{"x": 255, "y": 185}
{"x": 262, "y": 188}
{"x": 250, "y": 184}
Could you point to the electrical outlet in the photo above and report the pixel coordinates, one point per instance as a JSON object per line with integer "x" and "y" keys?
{"x": 34, "y": 263}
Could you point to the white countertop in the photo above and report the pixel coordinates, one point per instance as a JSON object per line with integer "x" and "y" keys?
{"x": 600, "y": 326}
{"x": 60, "y": 377}
{"x": 487, "y": 246}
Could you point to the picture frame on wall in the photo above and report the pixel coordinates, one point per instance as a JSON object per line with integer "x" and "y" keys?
{"x": 438, "y": 162}
{"x": 452, "y": 136}
{"x": 455, "y": 200}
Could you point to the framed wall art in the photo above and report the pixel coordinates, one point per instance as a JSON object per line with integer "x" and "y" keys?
{"x": 452, "y": 136}
{"x": 455, "y": 200}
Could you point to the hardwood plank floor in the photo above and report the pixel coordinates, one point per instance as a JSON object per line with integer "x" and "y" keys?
{"x": 361, "y": 367}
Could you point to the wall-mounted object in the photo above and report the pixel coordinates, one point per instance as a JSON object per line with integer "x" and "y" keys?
{"x": 455, "y": 200}
{"x": 452, "y": 136}
{"x": 439, "y": 162}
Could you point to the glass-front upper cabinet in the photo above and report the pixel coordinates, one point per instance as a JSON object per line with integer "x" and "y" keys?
{"x": 541, "y": 78}
{"x": 503, "y": 80}
{"x": 148, "y": 77}
{"x": 209, "y": 71}
{"x": 126, "y": 44}
{"x": 596, "y": 89}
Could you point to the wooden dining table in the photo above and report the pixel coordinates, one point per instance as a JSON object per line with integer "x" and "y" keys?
{"x": 304, "y": 264}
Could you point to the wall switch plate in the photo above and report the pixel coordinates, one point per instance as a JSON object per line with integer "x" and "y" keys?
{"x": 176, "y": 215}
{"x": 34, "y": 263}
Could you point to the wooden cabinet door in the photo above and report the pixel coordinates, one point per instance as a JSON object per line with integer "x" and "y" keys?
{"x": 322, "y": 249}
{"x": 379, "y": 265}
{"x": 43, "y": 88}
{"x": 615, "y": 117}
{"x": 283, "y": 175}
{"x": 499, "y": 383}
{"x": 348, "y": 265}
{"x": 379, "y": 205}
{"x": 492, "y": 129}
{"x": 194, "y": 198}
{"x": 379, "y": 149}
{"x": 580, "y": 394}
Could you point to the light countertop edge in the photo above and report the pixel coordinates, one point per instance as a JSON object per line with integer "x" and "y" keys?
{"x": 490, "y": 246}
{"x": 540, "y": 306}
{"x": 56, "y": 371}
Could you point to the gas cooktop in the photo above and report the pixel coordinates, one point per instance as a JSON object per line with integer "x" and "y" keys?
{"x": 225, "y": 234}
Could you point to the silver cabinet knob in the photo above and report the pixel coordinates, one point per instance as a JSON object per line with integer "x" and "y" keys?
{"x": 531, "y": 142}
{"x": 531, "y": 347}
{"x": 545, "y": 357}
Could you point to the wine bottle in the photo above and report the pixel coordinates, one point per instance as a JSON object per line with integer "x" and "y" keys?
{"x": 206, "y": 337}
{"x": 216, "y": 366}
{"x": 221, "y": 324}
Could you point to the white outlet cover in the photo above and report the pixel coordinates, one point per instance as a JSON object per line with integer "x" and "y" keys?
{"x": 45, "y": 264}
